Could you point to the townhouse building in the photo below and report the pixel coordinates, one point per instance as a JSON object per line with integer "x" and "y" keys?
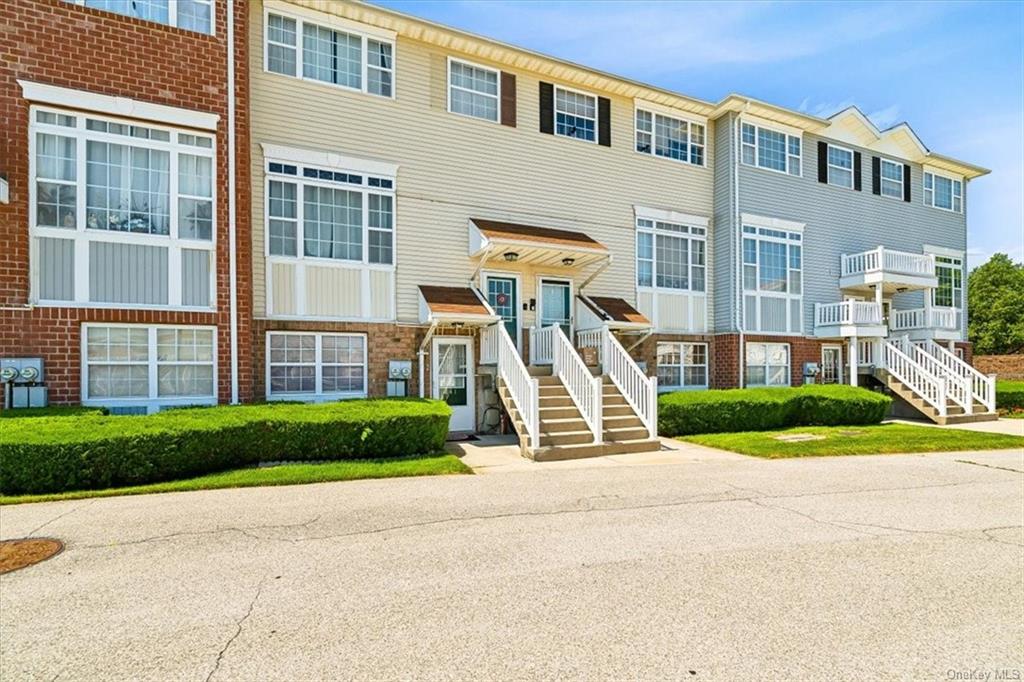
{"x": 123, "y": 255}
{"x": 423, "y": 211}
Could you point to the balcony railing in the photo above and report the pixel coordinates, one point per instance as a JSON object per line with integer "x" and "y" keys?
{"x": 888, "y": 260}
{"x": 918, "y": 318}
{"x": 847, "y": 313}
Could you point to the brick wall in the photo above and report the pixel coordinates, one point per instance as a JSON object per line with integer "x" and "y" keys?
{"x": 726, "y": 373}
{"x": 1003, "y": 366}
{"x": 56, "y": 42}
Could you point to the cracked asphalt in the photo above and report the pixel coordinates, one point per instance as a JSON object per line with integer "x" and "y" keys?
{"x": 905, "y": 566}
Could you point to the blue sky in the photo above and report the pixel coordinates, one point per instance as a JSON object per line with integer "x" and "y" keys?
{"x": 953, "y": 71}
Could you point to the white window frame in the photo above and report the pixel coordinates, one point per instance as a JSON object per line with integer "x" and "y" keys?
{"x": 554, "y": 114}
{"x": 766, "y": 344}
{"x": 172, "y": 15}
{"x": 452, "y": 86}
{"x": 82, "y": 236}
{"x": 772, "y": 227}
{"x": 154, "y": 401}
{"x": 957, "y": 267}
{"x": 364, "y": 32}
{"x": 882, "y": 179}
{"x": 694, "y": 233}
{"x": 830, "y": 166}
{"x": 662, "y": 387}
{"x": 790, "y": 158}
{"x": 654, "y": 113}
{"x": 318, "y": 395}
{"x": 956, "y": 191}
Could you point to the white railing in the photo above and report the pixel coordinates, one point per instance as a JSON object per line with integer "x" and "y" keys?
{"x": 542, "y": 345}
{"x": 584, "y": 388}
{"x": 640, "y": 390}
{"x": 847, "y": 313}
{"x": 983, "y": 387}
{"x": 522, "y": 388}
{"x": 888, "y": 260}
{"x": 930, "y": 388}
{"x": 958, "y": 388}
{"x": 917, "y": 318}
{"x": 590, "y": 338}
{"x": 866, "y": 352}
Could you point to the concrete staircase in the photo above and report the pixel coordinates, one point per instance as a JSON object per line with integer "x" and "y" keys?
{"x": 955, "y": 414}
{"x": 563, "y": 431}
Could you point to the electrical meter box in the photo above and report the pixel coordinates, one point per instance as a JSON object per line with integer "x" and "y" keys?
{"x": 399, "y": 376}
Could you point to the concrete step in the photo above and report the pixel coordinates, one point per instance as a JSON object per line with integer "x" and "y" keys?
{"x": 556, "y": 401}
{"x": 563, "y": 452}
{"x": 563, "y": 425}
{"x": 566, "y": 438}
{"x": 622, "y": 421}
{"x": 558, "y": 412}
{"x": 552, "y": 390}
{"x": 539, "y": 370}
{"x": 619, "y": 434}
{"x": 548, "y": 381}
{"x": 613, "y": 400}
{"x": 968, "y": 418}
{"x": 616, "y": 410}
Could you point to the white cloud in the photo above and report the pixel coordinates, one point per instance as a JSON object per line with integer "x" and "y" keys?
{"x": 887, "y": 117}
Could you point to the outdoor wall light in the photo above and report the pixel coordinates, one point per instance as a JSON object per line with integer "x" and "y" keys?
{"x": 568, "y": 261}
{"x": 511, "y": 256}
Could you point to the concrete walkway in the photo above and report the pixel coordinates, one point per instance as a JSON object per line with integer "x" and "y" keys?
{"x": 1009, "y": 427}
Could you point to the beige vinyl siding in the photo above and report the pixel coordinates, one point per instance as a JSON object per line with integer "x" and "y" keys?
{"x": 452, "y": 168}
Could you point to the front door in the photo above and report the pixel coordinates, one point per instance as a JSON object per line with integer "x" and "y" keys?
{"x": 453, "y": 380}
{"x": 556, "y": 305}
{"x": 503, "y": 295}
{"x": 831, "y": 364}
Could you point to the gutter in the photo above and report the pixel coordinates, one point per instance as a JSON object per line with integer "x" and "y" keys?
{"x": 232, "y": 207}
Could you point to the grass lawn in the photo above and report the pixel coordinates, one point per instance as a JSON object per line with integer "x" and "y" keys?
{"x": 285, "y": 474}
{"x": 878, "y": 439}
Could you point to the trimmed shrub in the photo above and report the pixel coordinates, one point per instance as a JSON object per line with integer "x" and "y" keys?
{"x": 56, "y": 411}
{"x": 55, "y": 454}
{"x": 1010, "y": 395}
{"x": 761, "y": 409}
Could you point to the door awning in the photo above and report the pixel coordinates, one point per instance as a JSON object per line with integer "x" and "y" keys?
{"x": 532, "y": 245}
{"x": 454, "y": 305}
{"x": 616, "y": 313}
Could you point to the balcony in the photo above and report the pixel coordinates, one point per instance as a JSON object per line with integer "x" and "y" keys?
{"x": 926, "y": 323}
{"x": 894, "y": 271}
{"x": 848, "y": 318}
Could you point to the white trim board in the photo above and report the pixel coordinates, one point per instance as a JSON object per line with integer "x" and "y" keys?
{"x": 117, "y": 106}
{"x": 771, "y": 223}
{"x": 668, "y": 216}
{"x": 276, "y": 152}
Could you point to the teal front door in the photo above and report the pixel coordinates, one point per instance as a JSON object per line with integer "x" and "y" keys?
{"x": 556, "y": 305}
{"x": 503, "y": 297}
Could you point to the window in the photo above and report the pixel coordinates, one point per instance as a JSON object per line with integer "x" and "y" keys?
{"x": 766, "y": 148}
{"x": 943, "y": 192}
{"x": 767, "y": 364}
{"x": 672, "y": 138}
{"x": 670, "y": 255}
{"x": 163, "y": 364}
{"x": 575, "y": 114}
{"x": 192, "y": 15}
{"x": 840, "y": 167}
{"x": 345, "y": 58}
{"x": 772, "y": 279}
{"x": 334, "y": 215}
{"x": 473, "y": 90}
{"x": 315, "y": 366}
{"x": 682, "y": 365}
{"x": 135, "y": 204}
{"x": 950, "y": 291}
{"x": 892, "y": 179}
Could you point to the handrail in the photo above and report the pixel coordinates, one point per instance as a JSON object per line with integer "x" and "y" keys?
{"x": 847, "y": 312}
{"x": 640, "y": 390}
{"x": 542, "y": 345}
{"x": 584, "y": 388}
{"x": 917, "y": 318}
{"x": 930, "y": 388}
{"x": 983, "y": 387}
{"x": 958, "y": 387}
{"x": 522, "y": 388}
{"x": 888, "y": 260}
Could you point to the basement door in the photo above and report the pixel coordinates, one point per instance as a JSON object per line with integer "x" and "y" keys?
{"x": 453, "y": 380}
{"x": 831, "y": 364}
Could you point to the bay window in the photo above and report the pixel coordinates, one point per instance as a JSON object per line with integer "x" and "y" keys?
{"x": 772, "y": 280}
{"x": 942, "y": 192}
{"x": 122, "y": 213}
{"x": 670, "y": 255}
{"x": 672, "y": 138}
{"x": 771, "y": 149}
{"x": 350, "y": 58}
{"x": 311, "y": 366}
{"x": 767, "y": 364}
{"x": 682, "y": 366}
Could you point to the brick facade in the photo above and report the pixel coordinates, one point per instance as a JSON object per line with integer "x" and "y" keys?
{"x": 727, "y": 356}
{"x": 58, "y": 43}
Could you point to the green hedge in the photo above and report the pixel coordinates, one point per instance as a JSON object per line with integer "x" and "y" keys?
{"x": 1010, "y": 395}
{"x": 57, "y": 411}
{"x": 761, "y": 409}
{"x": 55, "y": 454}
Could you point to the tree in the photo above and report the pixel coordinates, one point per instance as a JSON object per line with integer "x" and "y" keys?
{"x": 995, "y": 303}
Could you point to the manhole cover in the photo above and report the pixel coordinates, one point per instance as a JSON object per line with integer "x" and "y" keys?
{"x": 798, "y": 437}
{"x": 15, "y": 554}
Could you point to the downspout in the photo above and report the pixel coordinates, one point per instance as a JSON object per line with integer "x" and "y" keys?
{"x": 232, "y": 208}
{"x": 737, "y": 217}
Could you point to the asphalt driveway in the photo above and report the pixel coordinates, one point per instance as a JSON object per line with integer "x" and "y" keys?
{"x": 903, "y": 566}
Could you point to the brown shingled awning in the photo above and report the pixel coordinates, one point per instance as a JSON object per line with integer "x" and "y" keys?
{"x": 453, "y": 304}
{"x": 534, "y": 245}
{"x": 616, "y": 312}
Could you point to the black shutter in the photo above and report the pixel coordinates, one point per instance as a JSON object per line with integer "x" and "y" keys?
{"x": 876, "y": 175}
{"x": 508, "y": 99}
{"x": 823, "y": 162}
{"x": 856, "y": 171}
{"x": 604, "y": 122}
{"x": 906, "y": 182}
{"x": 547, "y": 108}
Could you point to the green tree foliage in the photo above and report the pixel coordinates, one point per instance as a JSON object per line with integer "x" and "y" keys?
{"x": 995, "y": 303}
